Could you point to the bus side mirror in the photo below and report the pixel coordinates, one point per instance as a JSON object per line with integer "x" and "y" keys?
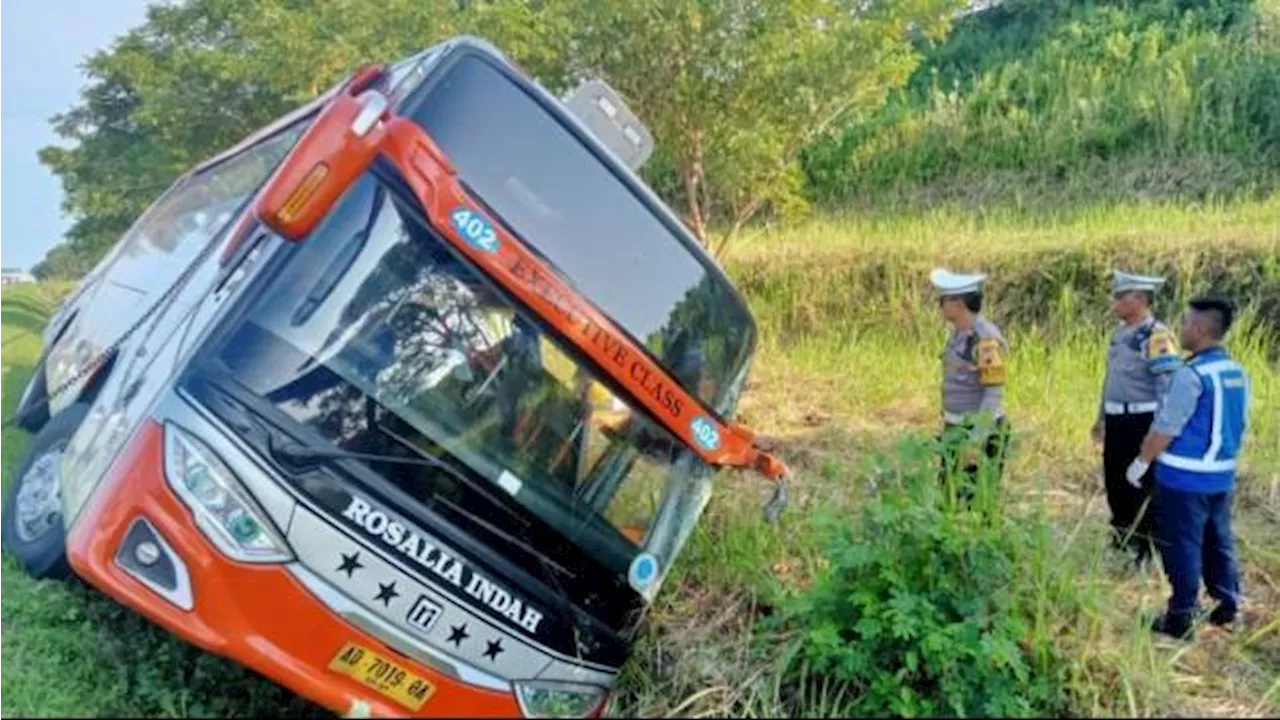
{"x": 603, "y": 111}
{"x": 330, "y": 156}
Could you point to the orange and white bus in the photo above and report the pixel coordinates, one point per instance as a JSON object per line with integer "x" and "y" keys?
{"x": 408, "y": 402}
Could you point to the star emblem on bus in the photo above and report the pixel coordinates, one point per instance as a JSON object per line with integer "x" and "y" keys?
{"x": 457, "y": 634}
{"x": 495, "y": 649}
{"x": 387, "y": 593}
{"x": 350, "y": 564}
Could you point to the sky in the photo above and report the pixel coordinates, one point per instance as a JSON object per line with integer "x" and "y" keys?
{"x": 42, "y": 43}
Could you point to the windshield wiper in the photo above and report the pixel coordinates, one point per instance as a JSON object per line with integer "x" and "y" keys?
{"x": 299, "y": 457}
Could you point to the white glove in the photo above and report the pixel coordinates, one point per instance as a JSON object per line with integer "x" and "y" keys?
{"x": 1136, "y": 470}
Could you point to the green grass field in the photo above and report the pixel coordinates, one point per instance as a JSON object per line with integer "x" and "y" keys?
{"x": 831, "y": 394}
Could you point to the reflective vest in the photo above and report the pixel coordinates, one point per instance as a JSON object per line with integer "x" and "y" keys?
{"x": 1202, "y": 458}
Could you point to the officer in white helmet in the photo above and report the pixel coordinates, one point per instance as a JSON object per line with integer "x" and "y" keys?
{"x": 1140, "y": 362}
{"x": 974, "y": 370}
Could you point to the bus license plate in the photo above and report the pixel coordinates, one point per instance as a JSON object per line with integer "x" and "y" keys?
{"x": 386, "y": 676}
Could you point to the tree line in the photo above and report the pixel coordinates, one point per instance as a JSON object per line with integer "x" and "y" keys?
{"x": 733, "y": 90}
{"x": 758, "y": 107}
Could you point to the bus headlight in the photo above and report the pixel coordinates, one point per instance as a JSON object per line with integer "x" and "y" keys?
{"x": 551, "y": 699}
{"x": 100, "y": 433}
{"x": 223, "y": 509}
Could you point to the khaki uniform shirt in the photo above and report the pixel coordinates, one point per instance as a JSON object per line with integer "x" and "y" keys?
{"x": 974, "y": 370}
{"x": 1140, "y": 362}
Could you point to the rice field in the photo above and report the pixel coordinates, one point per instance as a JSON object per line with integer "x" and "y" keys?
{"x": 847, "y": 371}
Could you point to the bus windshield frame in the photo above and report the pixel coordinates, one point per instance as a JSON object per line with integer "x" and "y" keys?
{"x": 374, "y": 336}
{"x": 556, "y": 187}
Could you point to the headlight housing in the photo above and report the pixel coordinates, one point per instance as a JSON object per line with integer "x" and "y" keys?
{"x": 552, "y": 699}
{"x": 100, "y": 432}
{"x": 223, "y": 509}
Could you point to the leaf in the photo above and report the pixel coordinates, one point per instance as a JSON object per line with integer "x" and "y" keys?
{"x": 733, "y": 91}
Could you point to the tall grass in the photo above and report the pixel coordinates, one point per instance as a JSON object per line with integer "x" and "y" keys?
{"x": 848, "y": 367}
{"x": 1042, "y": 102}
{"x": 835, "y": 403}
{"x": 836, "y": 275}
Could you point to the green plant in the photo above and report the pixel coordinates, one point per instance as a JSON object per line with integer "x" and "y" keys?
{"x": 1043, "y": 104}
{"x": 848, "y": 364}
{"x": 931, "y": 607}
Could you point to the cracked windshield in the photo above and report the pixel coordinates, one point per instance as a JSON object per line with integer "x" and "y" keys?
{"x": 394, "y": 316}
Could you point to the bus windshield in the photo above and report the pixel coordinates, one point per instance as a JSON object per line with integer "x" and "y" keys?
{"x": 375, "y": 333}
{"x": 555, "y": 193}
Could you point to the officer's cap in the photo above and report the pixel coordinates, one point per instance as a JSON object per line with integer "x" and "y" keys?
{"x": 948, "y": 283}
{"x": 1124, "y": 282}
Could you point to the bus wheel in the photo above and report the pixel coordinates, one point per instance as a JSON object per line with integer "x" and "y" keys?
{"x": 33, "y": 530}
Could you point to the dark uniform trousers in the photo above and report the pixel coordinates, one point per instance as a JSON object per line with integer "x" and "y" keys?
{"x": 1132, "y": 516}
{"x": 996, "y": 448}
{"x": 1195, "y": 541}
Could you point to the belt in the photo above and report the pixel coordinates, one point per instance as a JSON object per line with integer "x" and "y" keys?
{"x": 1134, "y": 408}
{"x": 961, "y": 418}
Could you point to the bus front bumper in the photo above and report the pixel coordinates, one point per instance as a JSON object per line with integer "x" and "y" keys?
{"x": 259, "y": 616}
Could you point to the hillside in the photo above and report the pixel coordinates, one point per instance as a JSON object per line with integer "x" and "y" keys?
{"x": 1041, "y": 104}
{"x": 846, "y": 382}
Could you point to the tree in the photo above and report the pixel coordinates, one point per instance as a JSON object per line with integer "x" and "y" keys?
{"x": 734, "y": 89}
{"x": 198, "y": 76}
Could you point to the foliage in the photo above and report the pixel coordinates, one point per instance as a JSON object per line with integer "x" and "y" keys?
{"x": 755, "y": 106}
{"x": 198, "y": 76}
{"x": 733, "y": 90}
{"x": 1079, "y": 100}
{"x": 929, "y": 607}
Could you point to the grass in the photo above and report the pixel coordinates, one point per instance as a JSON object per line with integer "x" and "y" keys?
{"x": 831, "y": 403}
{"x": 835, "y": 398}
{"x": 953, "y": 230}
{"x": 68, "y": 651}
{"x": 1051, "y": 103}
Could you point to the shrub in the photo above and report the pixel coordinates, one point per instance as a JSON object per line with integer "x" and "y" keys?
{"x": 929, "y": 607}
{"x": 1042, "y": 104}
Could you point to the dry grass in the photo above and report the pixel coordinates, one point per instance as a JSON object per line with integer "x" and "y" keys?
{"x": 958, "y": 231}
{"x": 829, "y": 396}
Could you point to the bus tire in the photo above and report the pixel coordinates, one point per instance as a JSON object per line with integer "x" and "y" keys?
{"x": 33, "y": 529}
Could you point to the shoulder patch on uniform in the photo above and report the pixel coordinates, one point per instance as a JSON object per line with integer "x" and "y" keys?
{"x": 991, "y": 363}
{"x": 1163, "y": 354}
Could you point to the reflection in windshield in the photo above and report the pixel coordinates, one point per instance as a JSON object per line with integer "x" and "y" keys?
{"x": 373, "y": 309}
{"x": 557, "y": 195}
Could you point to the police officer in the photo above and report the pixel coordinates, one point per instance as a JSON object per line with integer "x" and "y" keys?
{"x": 1142, "y": 358}
{"x": 1194, "y": 443}
{"x": 973, "y": 374}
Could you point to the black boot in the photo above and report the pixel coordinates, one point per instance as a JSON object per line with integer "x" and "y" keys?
{"x": 1223, "y": 615}
{"x": 1177, "y": 628}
